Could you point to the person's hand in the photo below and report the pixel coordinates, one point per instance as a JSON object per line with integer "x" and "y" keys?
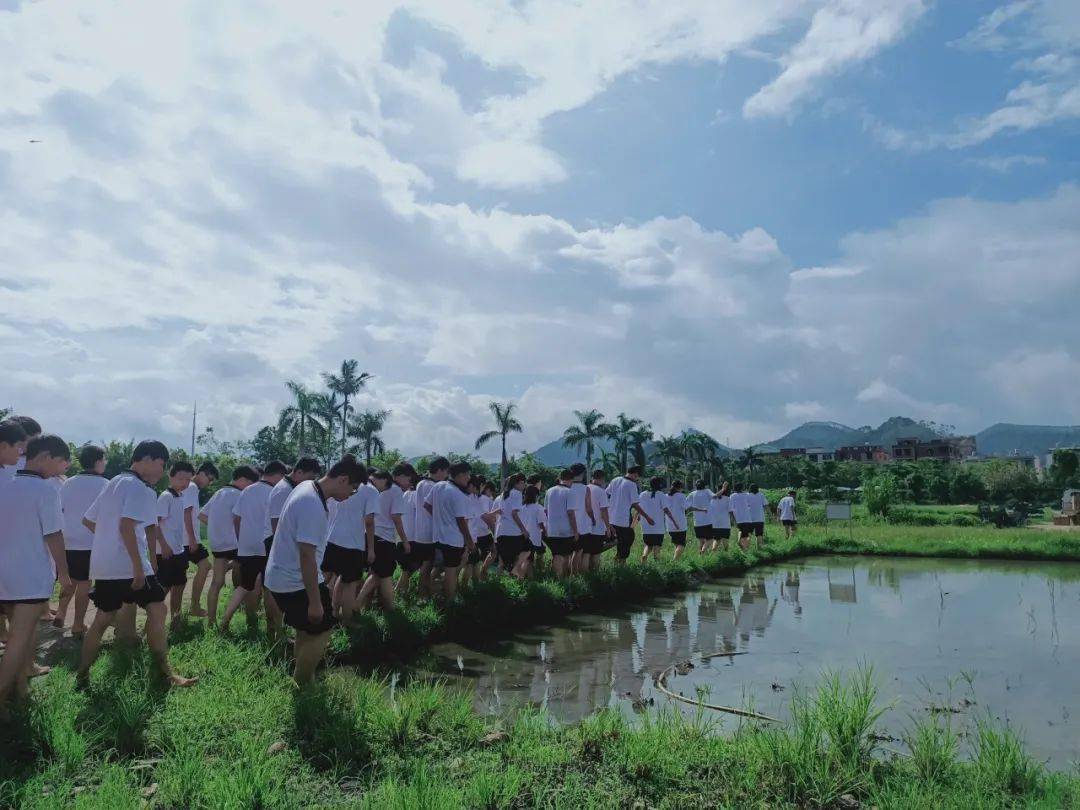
{"x": 650, "y": 521}
{"x": 314, "y": 611}
{"x": 407, "y": 546}
{"x": 371, "y": 554}
{"x": 166, "y": 551}
{"x": 193, "y": 550}
{"x": 138, "y": 582}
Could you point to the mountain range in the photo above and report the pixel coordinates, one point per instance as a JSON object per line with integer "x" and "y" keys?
{"x": 997, "y": 440}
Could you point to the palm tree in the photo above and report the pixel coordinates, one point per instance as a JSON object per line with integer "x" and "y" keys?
{"x": 639, "y": 436}
{"x": 365, "y": 428}
{"x": 505, "y": 423}
{"x": 749, "y": 456}
{"x": 296, "y": 419}
{"x": 670, "y": 451}
{"x": 346, "y": 384}
{"x": 609, "y": 463}
{"x": 590, "y": 427}
{"x": 620, "y": 432}
{"x": 327, "y": 410}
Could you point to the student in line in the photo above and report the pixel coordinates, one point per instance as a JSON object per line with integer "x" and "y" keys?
{"x": 13, "y": 441}
{"x": 423, "y": 542}
{"x": 173, "y": 554}
{"x": 484, "y": 528}
{"x": 77, "y": 494}
{"x": 720, "y": 513}
{"x": 562, "y": 526}
{"x": 407, "y": 478}
{"x": 251, "y": 516}
{"x": 389, "y": 531}
{"x": 699, "y": 501}
{"x": 676, "y": 521}
{"x": 204, "y": 478}
{"x": 306, "y": 468}
{"x": 623, "y": 503}
{"x": 785, "y": 512}
{"x": 293, "y": 578}
{"x": 217, "y": 515}
{"x": 124, "y": 522}
{"x": 32, "y": 556}
{"x": 534, "y": 517}
{"x": 581, "y": 505}
{"x": 653, "y": 504}
{"x": 759, "y": 505}
{"x": 511, "y": 537}
{"x": 739, "y": 506}
{"x": 350, "y": 547}
{"x": 448, "y": 505}
{"x": 592, "y": 542}
{"x": 31, "y": 430}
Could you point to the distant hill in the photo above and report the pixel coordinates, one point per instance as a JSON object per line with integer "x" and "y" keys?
{"x": 1027, "y": 440}
{"x": 831, "y": 435}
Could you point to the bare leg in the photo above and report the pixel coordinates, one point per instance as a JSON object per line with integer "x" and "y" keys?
{"x": 82, "y": 602}
{"x": 213, "y": 595}
{"x": 309, "y": 652}
{"x": 450, "y": 583}
{"x": 125, "y": 625}
{"x": 66, "y": 596}
{"x": 386, "y": 593}
{"x": 273, "y": 614}
{"x": 159, "y": 645}
{"x": 679, "y": 551}
{"x": 197, "y": 585}
{"x": 354, "y": 596}
{"x": 403, "y": 582}
{"x": 91, "y": 645}
{"x": 239, "y": 597}
{"x": 176, "y": 603}
{"x": 19, "y": 653}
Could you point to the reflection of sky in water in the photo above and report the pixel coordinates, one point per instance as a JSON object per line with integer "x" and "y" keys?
{"x": 1013, "y": 628}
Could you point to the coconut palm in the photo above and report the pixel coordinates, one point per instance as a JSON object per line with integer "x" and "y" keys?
{"x": 747, "y": 460}
{"x": 670, "y": 450}
{"x": 621, "y": 430}
{"x": 346, "y": 384}
{"x": 639, "y": 437}
{"x": 327, "y": 411}
{"x": 298, "y": 419}
{"x": 609, "y": 463}
{"x": 505, "y": 424}
{"x": 365, "y": 428}
{"x": 590, "y": 428}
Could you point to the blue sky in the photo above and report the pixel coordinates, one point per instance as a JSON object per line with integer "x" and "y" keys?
{"x": 714, "y": 214}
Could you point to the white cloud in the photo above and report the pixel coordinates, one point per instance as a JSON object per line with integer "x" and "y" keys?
{"x": 1006, "y": 163}
{"x": 802, "y": 411}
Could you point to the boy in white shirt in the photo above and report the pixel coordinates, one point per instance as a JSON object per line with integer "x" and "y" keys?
{"x": 350, "y": 545}
{"x": 511, "y": 539}
{"x": 124, "y": 522}
{"x": 31, "y": 556}
{"x": 306, "y": 468}
{"x": 293, "y": 578}
{"x": 422, "y": 543}
{"x": 653, "y": 504}
{"x": 535, "y": 519}
{"x": 699, "y": 501}
{"x": 174, "y": 553}
{"x": 76, "y": 496}
{"x": 581, "y": 504}
{"x": 623, "y": 501}
{"x": 740, "y": 513}
{"x": 562, "y": 524}
{"x": 720, "y": 514}
{"x": 592, "y": 542}
{"x": 217, "y": 515}
{"x": 448, "y": 505}
{"x": 676, "y": 521}
{"x": 205, "y": 476}
{"x": 31, "y": 430}
{"x": 758, "y": 505}
{"x": 785, "y": 511}
{"x": 391, "y": 539}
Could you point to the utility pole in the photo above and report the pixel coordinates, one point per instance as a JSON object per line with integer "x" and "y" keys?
{"x": 194, "y": 413}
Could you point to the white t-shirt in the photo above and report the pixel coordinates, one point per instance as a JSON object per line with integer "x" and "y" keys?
{"x": 678, "y": 506}
{"x": 303, "y": 520}
{"x": 278, "y": 495}
{"x": 423, "y": 518}
{"x": 740, "y": 507}
{"x": 448, "y": 503}
{"x": 532, "y": 515}
{"x": 506, "y": 526}
{"x": 700, "y": 499}
{"x": 219, "y": 518}
{"x": 191, "y": 499}
{"x": 251, "y": 507}
{"x": 578, "y": 492}
{"x": 558, "y": 510}
{"x": 652, "y": 504}
{"x": 31, "y": 509}
{"x": 349, "y": 526}
{"x": 76, "y": 495}
{"x": 390, "y": 502}
{"x": 599, "y": 501}
{"x": 623, "y": 494}
{"x": 720, "y": 512}
{"x": 408, "y": 517}
{"x": 125, "y": 496}
{"x": 478, "y": 526}
{"x": 7, "y": 471}
{"x": 787, "y": 508}
{"x": 170, "y": 512}
{"x": 757, "y": 503}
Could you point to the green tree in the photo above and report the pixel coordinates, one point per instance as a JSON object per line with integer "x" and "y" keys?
{"x": 298, "y": 419}
{"x": 1065, "y": 469}
{"x": 639, "y": 437}
{"x": 880, "y": 494}
{"x": 622, "y": 430}
{"x": 365, "y": 428}
{"x": 346, "y": 383}
{"x": 966, "y": 486}
{"x": 270, "y": 443}
{"x": 505, "y": 424}
{"x": 669, "y": 449}
{"x": 590, "y": 428}
{"x": 747, "y": 461}
{"x": 327, "y": 411}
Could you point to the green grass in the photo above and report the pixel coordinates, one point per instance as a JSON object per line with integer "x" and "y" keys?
{"x": 243, "y": 737}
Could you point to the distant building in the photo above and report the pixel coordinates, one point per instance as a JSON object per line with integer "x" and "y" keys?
{"x": 865, "y": 453}
{"x": 946, "y": 448}
{"x": 819, "y": 454}
{"x": 793, "y": 452}
{"x": 1032, "y": 462}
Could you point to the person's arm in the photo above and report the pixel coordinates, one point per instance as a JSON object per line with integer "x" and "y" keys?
{"x": 55, "y": 544}
{"x": 369, "y": 537}
{"x": 669, "y": 513}
{"x": 131, "y": 546}
{"x": 588, "y": 505}
{"x": 90, "y": 525}
{"x": 490, "y": 519}
{"x": 165, "y": 549}
{"x": 642, "y": 514}
{"x": 189, "y": 528}
{"x": 605, "y": 516}
{"x": 400, "y": 526}
{"x": 463, "y": 527}
{"x": 309, "y": 573}
{"x": 572, "y": 514}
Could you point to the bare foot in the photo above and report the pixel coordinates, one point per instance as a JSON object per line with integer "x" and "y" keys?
{"x": 58, "y": 622}
{"x": 176, "y": 680}
{"x": 78, "y": 632}
{"x": 37, "y": 670}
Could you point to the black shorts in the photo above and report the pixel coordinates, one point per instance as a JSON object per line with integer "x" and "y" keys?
{"x": 721, "y": 534}
{"x": 34, "y": 601}
{"x": 78, "y": 563}
{"x": 785, "y": 522}
{"x": 745, "y": 528}
{"x": 451, "y": 555}
{"x": 109, "y": 595}
{"x": 172, "y": 571}
{"x": 538, "y": 551}
{"x": 294, "y": 606}
{"x": 624, "y": 540}
{"x": 561, "y": 546}
{"x": 485, "y": 544}
{"x": 228, "y": 554}
{"x": 200, "y": 554}
{"x": 592, "y": 543}
{"x": 348, "y": 563}
{"x": 419, "y": 553}
{"x": 759, "y": 528}
{"x": 703, "y": 532}
{"x": 385, "y": 560}
{"x": 509, "y": 546}
{"x": 678, "y": 538}
{"x": 267, "y": 543}
{"x": 653, "y": 540}
{"x": 251, "y": 568}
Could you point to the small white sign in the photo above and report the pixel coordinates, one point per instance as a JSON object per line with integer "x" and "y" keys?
{"x": 838, "y": 511}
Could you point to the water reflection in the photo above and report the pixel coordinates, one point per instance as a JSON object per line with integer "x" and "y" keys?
{"x": 1012, "y": 628}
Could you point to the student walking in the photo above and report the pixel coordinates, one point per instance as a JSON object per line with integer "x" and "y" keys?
{"x": 217, "y": 516}
{"x": 758, "y": 505}
{"x": 700, "y": 501}
{"x": 653, "y": 504}
{"x": 423, "y": 541}
{"x": 562, "y": 524}
{"x": 448, "y": 505}
{"x": 592, "y": 542}
{"x": 484, "y": 527}
{"x": 174, "y": 553}
{"x": 623, "y": 502}
{"x": 676, "y": 521}
{"x": 350, "y": 546}
{"x": 581, "y": 506}
{"x": 204, "y": 478}
{"x": 739, "y": 506}
{"x": 391, "y": 539}
{"x": 720, "y": 515}
{"x": 535, "y": 519}
{"x": 77, "y": 494}
{"x": 511, "y": 536}
{"x": 785, "y": 512}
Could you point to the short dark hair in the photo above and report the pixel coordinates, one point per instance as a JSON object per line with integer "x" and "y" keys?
{"x": 634, "y": 470}
{"x": 577, "y": 468}
{"x": 89, "y": 455}
{"x": 405, "y": 468}
{"x": 382, "y": 475}
{"x": 11, "y": 432}
{"x": 459, "y": 468}
{"x": 308, "y": 464}
{"x": 753, "y": 487}
{"x": 531, "y": 495}
{"x": 438, "y": 463}
{"x": 701, "y": 483}
{"x": 150, "y": 449}
{"x": 598, "y": 475}
{"x": 208, "y": 468}
{"x": 791, "y": 492}
{"x": 50, "y": 444}
{"x": 348, "y": 465}
{"x": 487, "y": 485}
{"x": 656, "y": 483}
{"x": 275, "y": 467}
{"x": 566, "y": 475}
{"x": 535, "y": 478}
{"x": 245, "y": 471}
{"x": 29, "y": 424}
{"x": 182, "y": 466}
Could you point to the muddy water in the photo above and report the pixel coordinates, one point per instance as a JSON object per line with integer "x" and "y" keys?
{"x": 972, "y": 639}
